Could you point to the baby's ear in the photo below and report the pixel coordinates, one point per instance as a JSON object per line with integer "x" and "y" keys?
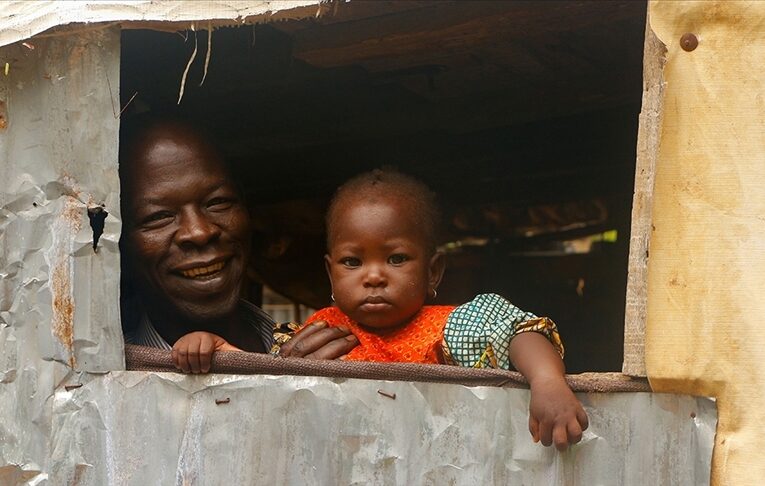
{"x": 436, "y": 269}
{"x": 327, "y": 262}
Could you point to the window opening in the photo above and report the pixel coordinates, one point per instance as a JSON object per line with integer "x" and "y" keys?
{"x": 522, "y": 117}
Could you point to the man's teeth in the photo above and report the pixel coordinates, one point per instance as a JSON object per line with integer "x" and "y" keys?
{"x": 196, "y": 272}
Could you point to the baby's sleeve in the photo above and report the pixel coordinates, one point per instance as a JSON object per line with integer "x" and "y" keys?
{"x": 478, "y": 333}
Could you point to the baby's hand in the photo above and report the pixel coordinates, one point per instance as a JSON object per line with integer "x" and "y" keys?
{"x": 192, "y": 353}
{"x": 555, "y": 414}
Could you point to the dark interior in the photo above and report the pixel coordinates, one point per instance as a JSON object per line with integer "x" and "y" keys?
{"x": 522, "y": 116}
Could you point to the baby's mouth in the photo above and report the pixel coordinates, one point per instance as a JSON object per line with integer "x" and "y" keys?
{"x": 375, "y": 299}
{"x": 203, "y": 272}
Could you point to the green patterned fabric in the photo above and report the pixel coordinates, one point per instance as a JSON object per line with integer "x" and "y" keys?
{"x": 478, "y": 333}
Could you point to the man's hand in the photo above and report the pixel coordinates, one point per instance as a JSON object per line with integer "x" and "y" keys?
{"x": 317, "y": 341}
{"x": 555, "y": 414}
{"x": 193, "y": 352}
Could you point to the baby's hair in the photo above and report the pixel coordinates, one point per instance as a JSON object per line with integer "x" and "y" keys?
{"x": 388, "y": 182}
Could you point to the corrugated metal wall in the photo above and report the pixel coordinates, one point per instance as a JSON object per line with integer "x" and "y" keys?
{"x": 59, "y": 298}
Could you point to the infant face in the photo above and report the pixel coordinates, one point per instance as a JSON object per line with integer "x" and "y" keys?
{"x": 378, "y": 263}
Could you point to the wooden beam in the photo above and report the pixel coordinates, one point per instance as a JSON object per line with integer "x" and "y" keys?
{"x": 453, "y": 23}
{"x": 649, "y": 137}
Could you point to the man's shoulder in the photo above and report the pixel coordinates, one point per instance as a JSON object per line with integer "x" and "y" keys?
{"x": 255, "y": 313}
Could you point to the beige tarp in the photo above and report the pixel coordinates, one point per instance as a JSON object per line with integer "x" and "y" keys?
{"x": 706, "y": 274}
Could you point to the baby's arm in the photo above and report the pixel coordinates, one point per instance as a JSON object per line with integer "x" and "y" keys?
{"x": 555, "y": 414}
{"x": 192, "y": 353}
{"x": 491, "y": 332}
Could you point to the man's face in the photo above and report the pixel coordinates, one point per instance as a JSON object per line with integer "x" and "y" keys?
{"x": 188, "y": 231}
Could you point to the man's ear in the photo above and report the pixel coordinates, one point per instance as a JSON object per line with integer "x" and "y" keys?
{"x": 436, "y": 269}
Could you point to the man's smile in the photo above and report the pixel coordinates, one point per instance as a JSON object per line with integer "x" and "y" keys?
{"x": 203, "y": 271}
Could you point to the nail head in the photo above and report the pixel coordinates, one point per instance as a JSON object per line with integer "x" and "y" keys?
{"x": 689, "y": 42}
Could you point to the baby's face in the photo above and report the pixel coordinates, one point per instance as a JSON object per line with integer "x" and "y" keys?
{"x": 378, "y": 263}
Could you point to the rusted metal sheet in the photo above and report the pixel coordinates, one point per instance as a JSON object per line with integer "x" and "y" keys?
{"x": 58, "y": 298}
{"x": 60, "y": 158}
{"x": 137, "y": 428}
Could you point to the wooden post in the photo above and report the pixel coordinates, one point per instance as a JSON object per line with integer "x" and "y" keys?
{"x": 649, "y": 135}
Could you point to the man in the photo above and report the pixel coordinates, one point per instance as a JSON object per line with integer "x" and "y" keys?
{"x": 187, "y": 243}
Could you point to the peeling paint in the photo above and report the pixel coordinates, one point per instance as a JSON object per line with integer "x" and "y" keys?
{"x": 65, "y": 228}
{"x": 15, "y": 474}
{"x": 3, "y": 116}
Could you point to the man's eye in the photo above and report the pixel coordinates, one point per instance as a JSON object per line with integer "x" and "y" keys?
{"x": 397, "y": 259}
{"x": 157, "y": 219}
{"x": 350, "y": 262}
{"x": 220, "y": 203}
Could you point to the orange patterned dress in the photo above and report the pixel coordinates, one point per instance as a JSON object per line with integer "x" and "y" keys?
{"x": 417, "y": 342}
{"x": 475, "y": 334}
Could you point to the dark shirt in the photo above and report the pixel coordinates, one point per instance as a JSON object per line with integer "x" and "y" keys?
{"x": 145, "y": 334}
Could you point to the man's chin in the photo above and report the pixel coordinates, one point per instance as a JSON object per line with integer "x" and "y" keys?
{"x": 201, "y": 314}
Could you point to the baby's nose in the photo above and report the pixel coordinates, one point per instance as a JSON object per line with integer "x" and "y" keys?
{"x": 375, "y": 276}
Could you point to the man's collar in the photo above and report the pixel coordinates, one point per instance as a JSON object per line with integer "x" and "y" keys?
{"x": 147, "y": 335}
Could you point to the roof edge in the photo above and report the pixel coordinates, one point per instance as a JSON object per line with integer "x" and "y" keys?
{"x": 21, "y": 20}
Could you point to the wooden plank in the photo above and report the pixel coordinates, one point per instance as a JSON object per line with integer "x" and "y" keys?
{"x": 449, "y": 25}
{"x": 649, "y": 135}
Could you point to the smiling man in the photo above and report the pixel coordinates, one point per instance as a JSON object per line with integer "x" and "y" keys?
{"x": 186, "y": 242}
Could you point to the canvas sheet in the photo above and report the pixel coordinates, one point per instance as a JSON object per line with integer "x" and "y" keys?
{"x": 707, "y": 251}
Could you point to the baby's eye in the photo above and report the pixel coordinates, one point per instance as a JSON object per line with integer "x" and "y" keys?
{"x": 350, "y": 262}
{"x": 397, "y": 259}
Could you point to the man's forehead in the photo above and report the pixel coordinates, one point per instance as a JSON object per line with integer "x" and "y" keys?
{"x": 170, "y": 145}
{"x": 172, "y": 139}
{"x": 180, "y": 155}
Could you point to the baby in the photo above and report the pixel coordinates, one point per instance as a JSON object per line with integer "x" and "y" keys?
{"x": 383, "y": 265}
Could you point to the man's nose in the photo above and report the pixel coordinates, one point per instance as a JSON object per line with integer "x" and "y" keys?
{"x": 196, "y": 229}
{"x": 375, "y": 276}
